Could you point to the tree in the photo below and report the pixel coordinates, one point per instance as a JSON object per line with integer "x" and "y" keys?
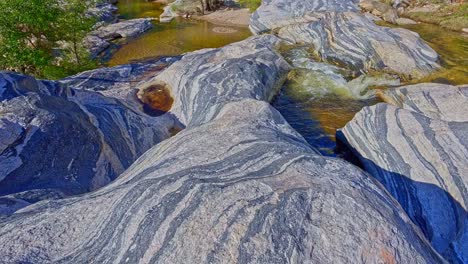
{"x": 38, "y": 36}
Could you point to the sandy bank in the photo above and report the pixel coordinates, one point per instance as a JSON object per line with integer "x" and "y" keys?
{"x": 228, "y": 17}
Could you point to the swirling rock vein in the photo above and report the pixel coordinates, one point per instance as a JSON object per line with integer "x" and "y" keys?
{"x": 419, "y": 150}
{"x": 71, "y": 140}
{"x": 239, "y": 185}
{"x": 338, "y": 33}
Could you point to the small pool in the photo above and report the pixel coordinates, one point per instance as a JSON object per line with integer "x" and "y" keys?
{"x": 174, "y": 38}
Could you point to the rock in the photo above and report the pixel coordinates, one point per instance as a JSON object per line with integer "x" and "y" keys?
{"x": 405, "y": 21}
{"x": 104, "y": 12}
{"x": 99, "y": 40}
{"x": 14, "y": 202}
{"x": 120, "y": 82}
{"x": 372, "y": 17}
{"x": 96, "y": 45}
{"x": 419, "y": 150}
{"x": 61, "y": 138}
{"x": 168, "y": 14}
{"x": 375, "y": 7}
{"x": 124, "y": 29}
{"x": 275, "y": 14}
{"x": 238, "y": 185}
{"x": 436, "y": 101}
{"x": 254, "y": 60}
{"x": 390, "y": 16}
{"x": 368, "y": 46}
{"x": 340, "y": 34}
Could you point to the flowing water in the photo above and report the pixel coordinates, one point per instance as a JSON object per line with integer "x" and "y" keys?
{"x": 317, "y": 101}
{"x": 174, "y": 38}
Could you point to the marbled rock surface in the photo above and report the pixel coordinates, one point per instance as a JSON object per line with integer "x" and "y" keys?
{"x": 120, "y": 82}
{"x": 419, "y": 150}
{"x": 209, "y": 75}
{"x": 340, "y": 34}
{"x": 56, "y": 137}
{"x": 275, "y": 14}
{"x": 239, "y": 185}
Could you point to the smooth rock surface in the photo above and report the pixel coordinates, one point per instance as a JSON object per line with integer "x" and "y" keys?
{"x": 124, "y": 28}
{"x": 419, "y": 150}
{"x": 253, "y": 67}
{"x": 239, "y": 185}
{"x": 353, "y": 40}
{"x": 338, "y": 33}
{"x": 71, "y": 140}
{"x": 275, "y": 14}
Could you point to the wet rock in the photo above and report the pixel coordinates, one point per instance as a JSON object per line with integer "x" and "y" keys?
{"x": 239, "y": 185}
{"x": 418, "y": 148}
{"x": 71, "y": 140}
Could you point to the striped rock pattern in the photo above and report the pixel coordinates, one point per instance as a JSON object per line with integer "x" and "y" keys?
{"x": 340, "y": 34}
{"x": 237, "y": 186}
{"x": 68, "y": 140}
{"x": 209, "y": 75}
{"x": 419, "y": 151}
{"x": 275, "y": 14}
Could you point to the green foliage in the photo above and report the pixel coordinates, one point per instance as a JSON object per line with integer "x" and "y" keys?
{"x": 250, "y": 4}
{"x": 44, "y": 37}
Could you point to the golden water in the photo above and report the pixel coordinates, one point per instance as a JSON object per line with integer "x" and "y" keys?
{"x": 174, "y": 38}
{"x": 452, "y": 48}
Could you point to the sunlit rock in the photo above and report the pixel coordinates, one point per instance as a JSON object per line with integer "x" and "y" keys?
{"x": 339, "y": 34}
{"x": 238, "y": 185}
{"x": 418, "y": 148}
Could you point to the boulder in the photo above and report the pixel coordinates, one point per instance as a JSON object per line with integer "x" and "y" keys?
{"x": 58, "y": 137}
{"x": 357, "y": 43}
{"x": 340, "y": 34}
{"x": 418, "y": 149}
{"x": 238, "y": 185}
{"x": 96, "y": 45}
{"x": 104, "y": 12}
{"x": 275, "y": 14}
{"x": 124, "y": 28}
{"x": 100, "y": 39}
{"x": 375, "y": 7}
